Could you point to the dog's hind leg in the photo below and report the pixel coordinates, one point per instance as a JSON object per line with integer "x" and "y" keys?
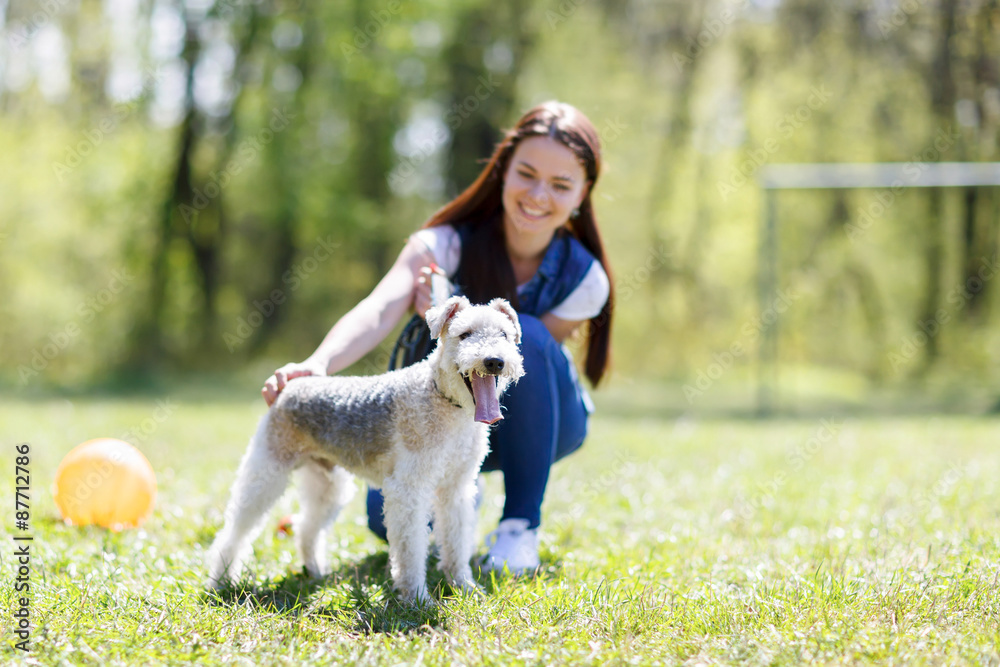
{"x": 260, "y": 481}
{"x": 454, "y": 530}
{"x": 324, "y": 492}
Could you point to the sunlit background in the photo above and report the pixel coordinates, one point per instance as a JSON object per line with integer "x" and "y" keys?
{"x": 194, "y": 190}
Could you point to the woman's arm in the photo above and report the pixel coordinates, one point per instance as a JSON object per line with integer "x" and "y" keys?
{"x": 559, "y": 328}
{"x": 583, "y": 303}
{"x": 364, "y": 326}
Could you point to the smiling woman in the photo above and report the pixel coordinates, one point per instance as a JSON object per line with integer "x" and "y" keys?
{"x": 536, "y": 187}
{"x": 525, "y": 231}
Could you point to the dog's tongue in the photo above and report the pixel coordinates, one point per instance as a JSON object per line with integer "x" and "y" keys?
{"x": 485, "y": 392}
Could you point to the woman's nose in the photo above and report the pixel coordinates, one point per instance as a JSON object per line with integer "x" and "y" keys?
{"x": 539, "y": 193}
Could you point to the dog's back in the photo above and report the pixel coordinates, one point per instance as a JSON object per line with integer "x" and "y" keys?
{"x": 350, "y": 417}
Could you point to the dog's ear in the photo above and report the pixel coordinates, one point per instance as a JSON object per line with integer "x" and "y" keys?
{"x": 438, "y": 317}
{"x": 506, "y": 309}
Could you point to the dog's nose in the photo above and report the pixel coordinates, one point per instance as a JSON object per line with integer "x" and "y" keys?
{"x": 493, "y": 365}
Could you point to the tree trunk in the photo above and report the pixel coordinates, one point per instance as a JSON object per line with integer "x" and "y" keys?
{"x": 147, "y": 346}
{"x": 927, "y": 319}
{"x": 482, "y": 99}
{"x": 974, "y": 252}
{"x": 285, "y": 182}
{"x": 941, "y": 83}
{"x": 674, "y": 146}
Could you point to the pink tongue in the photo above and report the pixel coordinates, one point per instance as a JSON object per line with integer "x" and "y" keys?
{"x": 485, "y": 392}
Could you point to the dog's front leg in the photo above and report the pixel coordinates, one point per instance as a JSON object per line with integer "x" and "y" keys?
{"x": 407, "y": 511}
{"x": 455, "y": 529}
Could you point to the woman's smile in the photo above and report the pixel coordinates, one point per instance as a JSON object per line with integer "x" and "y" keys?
{"x": 531, "y": 211}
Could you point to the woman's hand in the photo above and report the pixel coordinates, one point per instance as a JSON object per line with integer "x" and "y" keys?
{"x": 288, "y": 372}
{"x": 422, "y": 289}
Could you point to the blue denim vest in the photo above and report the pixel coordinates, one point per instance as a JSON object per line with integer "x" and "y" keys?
{"x": 563, "y": 268}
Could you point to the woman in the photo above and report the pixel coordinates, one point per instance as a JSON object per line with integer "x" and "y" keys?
{"x": 525, "y": 230}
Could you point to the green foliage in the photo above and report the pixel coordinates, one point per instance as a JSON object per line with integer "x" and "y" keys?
{"x": 316, "y": 152}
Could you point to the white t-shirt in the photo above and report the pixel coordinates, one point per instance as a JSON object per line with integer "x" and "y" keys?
{"x": 583, "y": 303}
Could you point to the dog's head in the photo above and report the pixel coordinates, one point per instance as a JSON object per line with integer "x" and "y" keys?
{"x": 480, "y": 344}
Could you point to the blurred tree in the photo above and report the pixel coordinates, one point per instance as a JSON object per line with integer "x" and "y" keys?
{"x": 980, "y": 112}
{"x": 669, "y": 41}
{"x": 213, "y": 210}
{"x": 954, "y": 47}
{"x": 487, "y": 51}
{"x": 194, "y": 210}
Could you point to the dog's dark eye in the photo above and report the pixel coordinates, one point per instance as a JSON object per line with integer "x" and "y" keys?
{"x": 463, "y": 336}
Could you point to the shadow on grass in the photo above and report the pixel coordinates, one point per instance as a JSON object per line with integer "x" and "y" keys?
{"x": 358, "y": 596}
{"x": 362, "y": 598}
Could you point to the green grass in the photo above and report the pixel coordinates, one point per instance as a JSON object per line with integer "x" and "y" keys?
{"x": 664, "y": 542}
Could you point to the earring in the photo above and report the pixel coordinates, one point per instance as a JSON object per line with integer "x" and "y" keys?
{"x": 575, "y": 214}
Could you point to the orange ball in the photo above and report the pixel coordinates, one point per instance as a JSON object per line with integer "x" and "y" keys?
{"x": 285, "y": 525}
{"x": 106, "y": 482}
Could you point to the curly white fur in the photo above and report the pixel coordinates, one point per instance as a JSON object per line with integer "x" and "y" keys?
{"x": 411, "y": 432}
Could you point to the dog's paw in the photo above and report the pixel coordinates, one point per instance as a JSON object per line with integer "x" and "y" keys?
{"x": 417, "y": 598}
{"x": 469, "y": 587}
{"x": 315, "y": 570}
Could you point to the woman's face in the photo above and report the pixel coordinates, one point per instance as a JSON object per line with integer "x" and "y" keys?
{"x": 543, "y": 184}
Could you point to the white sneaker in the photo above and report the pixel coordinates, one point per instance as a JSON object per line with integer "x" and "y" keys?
{"x": 512, "y": 545}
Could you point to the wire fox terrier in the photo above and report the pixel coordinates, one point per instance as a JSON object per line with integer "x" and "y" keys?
{"x": 420, "y": 433}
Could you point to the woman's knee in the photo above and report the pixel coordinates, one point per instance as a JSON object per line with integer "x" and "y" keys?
{"x": 572, "y": 431}
{"x": 540, "y": 353}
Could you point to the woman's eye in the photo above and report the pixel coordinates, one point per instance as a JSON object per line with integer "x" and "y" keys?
{"x": 524, "y": 174}
{"x": 561, "y": 188}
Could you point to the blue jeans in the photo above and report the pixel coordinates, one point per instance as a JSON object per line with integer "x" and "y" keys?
{"x": 544, "y": 420}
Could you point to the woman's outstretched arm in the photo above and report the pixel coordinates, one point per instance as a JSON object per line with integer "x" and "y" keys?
{"x": 364, "y": 326}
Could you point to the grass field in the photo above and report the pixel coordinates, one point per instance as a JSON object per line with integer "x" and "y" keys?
{"x": 664, "y": 542}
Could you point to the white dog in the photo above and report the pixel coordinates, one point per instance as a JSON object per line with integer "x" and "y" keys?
{"x": 420, "y": 433}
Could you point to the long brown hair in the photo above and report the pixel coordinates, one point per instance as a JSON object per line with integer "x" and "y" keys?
{"x": 481, "y": 207}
